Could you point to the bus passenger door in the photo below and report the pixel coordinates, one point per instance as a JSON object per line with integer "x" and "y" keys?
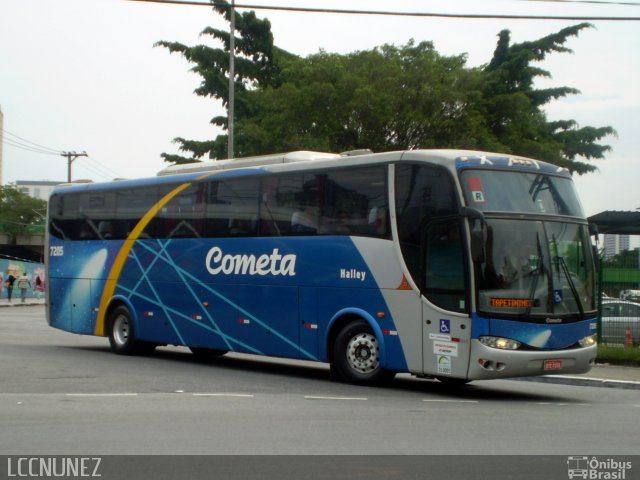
{"x": 445, "y": 320}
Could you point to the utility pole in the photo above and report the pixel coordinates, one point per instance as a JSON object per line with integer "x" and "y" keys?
{"x": 232, "y": 74}
{"x": 71, "y": 156}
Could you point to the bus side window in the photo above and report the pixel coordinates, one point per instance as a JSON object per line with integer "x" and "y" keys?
{"x": 282, "y": 204}
{"x": 182, "y": 216}
{"x": 355, "y": 202}
{"x": 231, "y": 208}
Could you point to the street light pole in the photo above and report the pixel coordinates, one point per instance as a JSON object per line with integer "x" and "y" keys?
{"x": 232, "y": 74}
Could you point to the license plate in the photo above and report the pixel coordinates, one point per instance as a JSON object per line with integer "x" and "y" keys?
{"x": 553, "y": 364}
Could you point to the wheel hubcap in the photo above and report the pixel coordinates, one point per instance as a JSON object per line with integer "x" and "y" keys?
{"x": 363, "y": 353}
{"x": 121, "y": 329}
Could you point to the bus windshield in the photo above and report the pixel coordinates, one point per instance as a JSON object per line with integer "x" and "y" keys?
{"x": 513, "y": 191}
{"x": 536, "y": 268}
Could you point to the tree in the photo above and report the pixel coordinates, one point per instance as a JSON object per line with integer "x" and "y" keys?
{"x": 391, "y": 98}
{"x": 411, "y": 97}
{"x": 384, "y": 99}
{"x": 254, "y": 67}
{"x": 625, "y": 259}
{"x": 19, "y": 212}
{"x": 511, "y": 105}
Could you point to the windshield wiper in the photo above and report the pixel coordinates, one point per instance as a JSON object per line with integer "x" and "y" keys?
{"x": 567, "y": 274}
{"x": 572, "y": 285}
{"x": 536, "y": 274}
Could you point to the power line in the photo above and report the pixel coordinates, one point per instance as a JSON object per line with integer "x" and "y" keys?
{"x": 102, "y": 170}
{"x": 590, "y": 2}
{"x": 467, "y": 16}
{"x": 20, "y": 142}
{"x": 22, "y": 146}
{"x": 29, "y": 146}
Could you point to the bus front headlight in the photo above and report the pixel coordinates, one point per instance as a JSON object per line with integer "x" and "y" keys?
{"x": 588, "y": 341}
{"x": 500, "y": 342}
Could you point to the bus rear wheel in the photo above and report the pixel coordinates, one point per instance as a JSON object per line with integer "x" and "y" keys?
{"x": 122, "y": 335}
{"x": 356, "y": 355}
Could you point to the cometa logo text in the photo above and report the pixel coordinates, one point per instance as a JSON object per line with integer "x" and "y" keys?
{"x": 267, "y": 264}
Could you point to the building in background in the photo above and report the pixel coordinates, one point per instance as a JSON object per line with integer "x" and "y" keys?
{"x": 37, "y": 189}
{"x": 615, "y": 244}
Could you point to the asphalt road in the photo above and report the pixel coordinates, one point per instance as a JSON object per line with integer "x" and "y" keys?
{"x": 63, "y": 394}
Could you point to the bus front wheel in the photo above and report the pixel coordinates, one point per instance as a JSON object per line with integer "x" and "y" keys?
{"x": 356, "y": 355}
{"x": 122, "y": 334}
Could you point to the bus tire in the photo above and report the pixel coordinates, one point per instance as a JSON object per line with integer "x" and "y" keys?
{"x": 203, "y": 353}
{"x": 122, "y": 336}
{"x": 356, "y": 355}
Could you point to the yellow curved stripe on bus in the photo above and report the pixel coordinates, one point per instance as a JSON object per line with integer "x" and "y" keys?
{"x": 120, "y": 260}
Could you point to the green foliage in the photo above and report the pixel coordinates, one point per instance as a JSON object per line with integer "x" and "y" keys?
{"x": 388, "y": 98}
{"x": 511, "y": 106}
{"x": 619, "y": 355}
{"x": 625, "y": 259}
{"x": 253, "y": 67}
{"x": 384, "y": 99}
{"x": 19, "y": 212}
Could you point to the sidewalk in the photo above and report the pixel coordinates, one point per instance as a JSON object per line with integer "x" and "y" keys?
{"x": 16, "y": 302}
{"x": 601, "y": 375}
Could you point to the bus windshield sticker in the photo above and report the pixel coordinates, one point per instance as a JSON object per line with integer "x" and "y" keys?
{"x": 510, "y": 302}
{"x": 475, "y": 186}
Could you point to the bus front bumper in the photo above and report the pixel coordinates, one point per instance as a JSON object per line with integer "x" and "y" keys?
{"x": 487, "y": 362}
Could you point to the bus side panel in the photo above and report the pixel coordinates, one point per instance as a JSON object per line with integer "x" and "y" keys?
{"x": 242, "y": 318}
{"x": 268, "y": 319}
{"x": 308, "y": 324}
{"x": 153, "y": 321}
{"x": 59, "y": 303}
{"x": 406, "y": 308}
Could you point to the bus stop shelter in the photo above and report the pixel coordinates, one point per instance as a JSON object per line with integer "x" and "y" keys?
{"x": 616, "y": 222}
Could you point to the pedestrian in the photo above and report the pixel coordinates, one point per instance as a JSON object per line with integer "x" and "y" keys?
{"x": 39, "y": 286}
{"x": 9, "y": 285}
{"x": 23, "y": 284}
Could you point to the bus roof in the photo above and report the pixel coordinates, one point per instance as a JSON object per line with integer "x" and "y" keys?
{"x": 308, "y": 160}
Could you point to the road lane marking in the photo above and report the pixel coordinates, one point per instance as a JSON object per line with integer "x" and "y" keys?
{"x": 314, "y": 397}
{"x": 101, "y": 394}
{"x": 234, "y": 395}
{"x": 450, "y": 401}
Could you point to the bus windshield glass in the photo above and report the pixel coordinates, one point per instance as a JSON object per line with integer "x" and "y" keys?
{"x": 513, "y": 191}
{"x": 535, "y": 268}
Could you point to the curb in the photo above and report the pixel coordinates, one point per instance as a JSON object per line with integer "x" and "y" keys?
{"x": 20, "y": 304}
{"x": 585, "y": 382}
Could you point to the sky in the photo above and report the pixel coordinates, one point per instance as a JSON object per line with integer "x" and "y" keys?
{"x": 84, "y": 76}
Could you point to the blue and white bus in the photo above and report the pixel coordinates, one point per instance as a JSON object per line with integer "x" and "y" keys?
{"x": 447, "y": 264}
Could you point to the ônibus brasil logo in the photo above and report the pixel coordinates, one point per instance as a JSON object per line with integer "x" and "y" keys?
{"x": 267, "y": 264}
{"x": 594, "y": 468}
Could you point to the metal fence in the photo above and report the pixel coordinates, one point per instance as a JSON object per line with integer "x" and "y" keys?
{"x": 619, "y": 305}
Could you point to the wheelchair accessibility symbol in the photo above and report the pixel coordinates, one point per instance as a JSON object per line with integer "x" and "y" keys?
{"x": 558, "y": 296}
{"x": 445, "y": 326}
